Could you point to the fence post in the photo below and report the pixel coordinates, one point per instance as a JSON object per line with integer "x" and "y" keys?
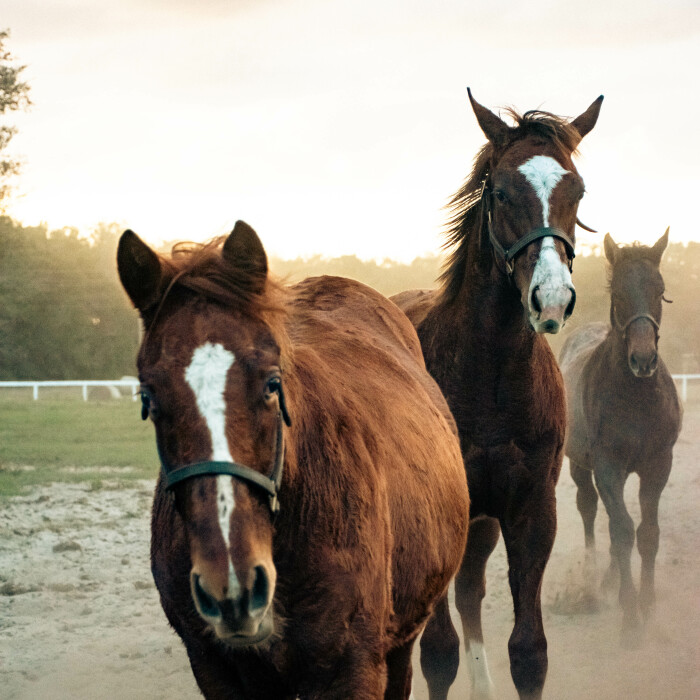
{"x": 684, "y": 390}
{"x": 35, "y": 391}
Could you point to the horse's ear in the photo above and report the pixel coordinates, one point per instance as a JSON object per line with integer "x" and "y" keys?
{"x": 658, "y": 248}
{"x": 139, "y": 270}
{"x": 494, "y": 128}
{"x": 586, "y": 121}
{"x": 610, "y": 248}
{"x": 244, "y": 249}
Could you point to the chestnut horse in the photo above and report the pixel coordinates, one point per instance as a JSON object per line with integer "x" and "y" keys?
{"x": 506, "y": 282}
{"x": 624, "y": 417}
{"x": 311, "y": 506}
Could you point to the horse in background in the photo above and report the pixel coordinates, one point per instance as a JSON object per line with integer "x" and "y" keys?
{"x": 312, "y": 503}
{"x": 506, "y": 282}
{"x": 624, "y": 417}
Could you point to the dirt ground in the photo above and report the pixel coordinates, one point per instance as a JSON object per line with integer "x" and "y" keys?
{"x": 80, "y": 617}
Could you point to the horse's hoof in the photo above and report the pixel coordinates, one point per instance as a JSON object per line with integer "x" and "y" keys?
{"x": 537, "y": 695}
{"x": 646, "y": 607}
{"x": 632, "y": 636}
{"x": 610, "y": 581}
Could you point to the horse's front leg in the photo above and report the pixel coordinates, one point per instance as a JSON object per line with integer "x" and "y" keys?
{"x": 399, "y": 672}
{"x": 611, "y": 485}
{"x": 439, "y": 651}
{"x": 586, "y": 502}
{"x": 529, "y": 525}
{"x": 470, "y": 589}
{"x": 651, "y": 484}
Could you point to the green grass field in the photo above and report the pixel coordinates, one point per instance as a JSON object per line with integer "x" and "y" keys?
{"x": 66, "y": 439}
{"x": 60, "y": 437}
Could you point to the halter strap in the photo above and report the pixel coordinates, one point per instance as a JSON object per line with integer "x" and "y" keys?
{"x": 270, "y": 485}
{"x": 632, "y": 319}
{"x": 509, "y": 254}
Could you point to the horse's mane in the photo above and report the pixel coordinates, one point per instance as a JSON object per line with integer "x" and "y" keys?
{"x": 465, "y": 221}
{"x": 201, "y": 268}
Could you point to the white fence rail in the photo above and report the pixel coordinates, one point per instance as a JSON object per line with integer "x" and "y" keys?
{"x": 684, "y": 379}
{"x": 133, "y": 383}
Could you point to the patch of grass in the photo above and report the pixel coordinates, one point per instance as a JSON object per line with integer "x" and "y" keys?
{"x": 39, "y": 439}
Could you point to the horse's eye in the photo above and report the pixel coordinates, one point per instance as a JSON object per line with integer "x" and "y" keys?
{"x": 272, "y": 386}
{"x": 501, "y": 196}
{"x": 145, "y": 405}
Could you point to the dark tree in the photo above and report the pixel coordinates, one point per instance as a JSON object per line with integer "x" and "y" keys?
{"x": 14, "y": 95}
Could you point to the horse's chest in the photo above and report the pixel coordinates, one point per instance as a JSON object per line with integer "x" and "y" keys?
{"x": 627, "y": 427}
{"x": 498, "y": 406}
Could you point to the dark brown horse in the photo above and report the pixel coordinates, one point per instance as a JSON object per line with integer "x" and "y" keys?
{"x": 507, "y": 281}
{"x": 312, "y": 503}
{"x": 624, "y": 417}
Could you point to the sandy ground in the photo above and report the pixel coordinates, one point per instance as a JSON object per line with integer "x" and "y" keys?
{"x": 80, "y": 617}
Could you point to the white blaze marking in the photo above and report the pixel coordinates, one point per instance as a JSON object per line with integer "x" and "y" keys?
{"x": 206, "y": 376}
{"x": 544, "y": 174}
{"x": 551, "y": 275}
{"x": 482, "y": 685}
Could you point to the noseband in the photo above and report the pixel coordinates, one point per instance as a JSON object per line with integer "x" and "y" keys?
{"x": 509, "y": 254}
{"x": 623, "y": 328}
{"x": 270, "y": 484}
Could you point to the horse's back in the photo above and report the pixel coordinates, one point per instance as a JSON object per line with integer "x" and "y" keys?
{"x": 573, "y": 357}
{"x": 415, "y": 303}
{"x": 580, "y": 344}
{"x": 576, "y": 352}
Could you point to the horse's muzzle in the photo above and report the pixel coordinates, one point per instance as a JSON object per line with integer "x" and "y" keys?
{"x": 550, "y": 309}
{"x": 242, "y": 617}
{"x": 643, "y": 364}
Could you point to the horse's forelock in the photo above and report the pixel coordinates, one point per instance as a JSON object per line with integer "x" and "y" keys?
{"x": 629, "y": 255}
{"x": 549, "y": 126}
{"x": 203, "y": 270}
{"x": 634, "y": 252}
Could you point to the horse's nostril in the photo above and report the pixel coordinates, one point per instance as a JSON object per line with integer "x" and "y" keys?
{"x": 534, "y": 300}
{"x": 634, "y": 363}
{"x": 206, "y": 604}
{"x": 571, "y": 305}
{"x": 260, "y": 591}
{"x": 654, "y": 362}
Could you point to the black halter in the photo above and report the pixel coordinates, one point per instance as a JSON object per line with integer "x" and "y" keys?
{"x": 509, "y": 254}
{"x": 624, "y": 327}
{"x": 270, "y": 484}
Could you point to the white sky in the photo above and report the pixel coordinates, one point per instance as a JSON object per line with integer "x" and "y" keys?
{"x": 342, "y": 126}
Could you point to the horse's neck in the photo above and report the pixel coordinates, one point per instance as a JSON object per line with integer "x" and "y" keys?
{"x": 484, "y": 327}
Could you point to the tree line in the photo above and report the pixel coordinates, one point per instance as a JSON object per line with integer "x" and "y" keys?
{"x": 64, "y": 315}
